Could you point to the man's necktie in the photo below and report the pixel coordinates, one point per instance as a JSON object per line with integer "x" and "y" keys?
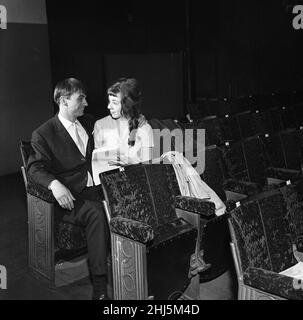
{"x": 80, "y": 143}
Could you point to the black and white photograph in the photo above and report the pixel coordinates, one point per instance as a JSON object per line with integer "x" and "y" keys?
{"x": 151, "y": 151}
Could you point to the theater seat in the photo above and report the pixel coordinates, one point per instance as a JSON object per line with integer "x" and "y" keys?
{"x": 153, "y": 232}
{"x": 57, "y": 250}
{"x": 266, "y": 232}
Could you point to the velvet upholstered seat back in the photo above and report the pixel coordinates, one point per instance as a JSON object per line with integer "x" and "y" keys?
{"x": 234, "y": 161}
{"x": 265, "y": 229}
{"x": 143, "y": 193}
{"x": 255, "y": 160}
{"x": 26, "y": 150}
{"x": 214, "y": 172}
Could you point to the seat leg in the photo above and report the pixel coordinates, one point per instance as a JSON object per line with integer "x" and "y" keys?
{"x": 40, "y": 236}
{"x": 129, "y": 269}
{"x": 192, "y": 292}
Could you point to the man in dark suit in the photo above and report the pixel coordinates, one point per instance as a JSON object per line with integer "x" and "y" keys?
{"x": 62, "y": 163}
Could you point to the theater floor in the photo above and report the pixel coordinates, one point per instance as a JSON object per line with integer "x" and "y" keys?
{"x": 22, "y": 285}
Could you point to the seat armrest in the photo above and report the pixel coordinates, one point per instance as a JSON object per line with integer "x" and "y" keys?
{"x": 242, "y": 187}
{"x": 282, "y": 173}
{"x": 202, "y": 207}
{"x": 132, "y": 229}
{"x": 39, "y": 191}
{"x": 230, "y": 205}
{"x": 274, "y": 283}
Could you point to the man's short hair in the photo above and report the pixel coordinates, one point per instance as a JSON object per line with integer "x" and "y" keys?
{"x": 66, "y": 87}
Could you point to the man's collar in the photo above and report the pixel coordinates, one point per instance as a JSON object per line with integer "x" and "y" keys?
{"x": 66, "y": 123}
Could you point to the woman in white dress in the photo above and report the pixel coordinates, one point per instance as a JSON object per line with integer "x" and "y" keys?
{"x": 125, "y": 129}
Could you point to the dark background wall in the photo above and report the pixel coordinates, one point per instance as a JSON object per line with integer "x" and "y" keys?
{"x": 25, "y": 78}
{"x": 245, "y": 47}
{"x": 235, "y": 47}
{"x": 104, "y": 40}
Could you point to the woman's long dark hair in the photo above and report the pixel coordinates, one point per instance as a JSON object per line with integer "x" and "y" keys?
{"x": 131, "y": 98}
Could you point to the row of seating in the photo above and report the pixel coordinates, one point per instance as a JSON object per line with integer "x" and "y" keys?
{"x": 237, "y": 168}
{"x": 251, "y": 161}
{"x": 261, "y": 169}
{"x": 221, "y": 106}
{"x": 219, "y": 129}
{"x": 249, "y": 166}
{"x": 257, "y": 161}
{"x": 157, "y": 250}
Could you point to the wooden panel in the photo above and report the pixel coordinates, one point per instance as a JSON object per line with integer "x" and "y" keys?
{"x": 129, "y": 269}
{"x": 248, "y": 293}
{"x": 40, "y": 225}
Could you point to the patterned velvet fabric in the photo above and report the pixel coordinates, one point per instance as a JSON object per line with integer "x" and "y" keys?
{"x": 146, "y": 194}
{"x": 227, "y": 106}
{"x": 300, "y": 137}
{"x": 265, "y": 230}
{"x": 230, "y": 128}
{"x": 295, "y": 196}
{"x": 66, "y": 236}
{"x": 288, "y": 117}
{"x": 214, "y": 172}
{"x": 211, "y": 106}
{"x": 69, "y": 236}
{"x": 39, "y": 191}
{"x": 255, "y": 160}
{"x": 298, "y": 110}
{"x": 171, "y": 182}
{"x": 128, "y": 195}
{"x": 290, "y": 143}
{"x": 245, "y": 123}
{"x": 245, "y": 103}
{"x": 273, "y": 151}
{"x": 230, "y": 205}
{"x": 162, "y": 192}
{"x": 132, "y": 229}
{"x": 243, "y": 187}
{"x": 164, "y": 124}
{"x": 282, "y": 174}
{"x": 261, "y": 123}
{"x": 200, "y": 206}
{"x": 196, "y": 110}
{"x": 273, "y": 283}
{"x": 276, "y": 119}
{"x": 234, "y": 161}
{"x": 277, "y": 211}
{"x": 250, "y": 237}
{"x": 213, "y": 130}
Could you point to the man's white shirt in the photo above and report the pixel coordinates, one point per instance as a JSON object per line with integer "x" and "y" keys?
{"x": 69, "y": 126}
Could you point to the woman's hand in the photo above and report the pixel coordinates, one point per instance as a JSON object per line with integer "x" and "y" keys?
{"x": 121, "y": 162}
{"x": 117, "y": 163}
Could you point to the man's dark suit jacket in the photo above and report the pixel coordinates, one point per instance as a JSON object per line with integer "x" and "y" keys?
{"x": 56, "y": 156}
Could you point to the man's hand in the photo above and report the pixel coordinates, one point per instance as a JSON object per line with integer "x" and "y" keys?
{"x": 62, "y": 195}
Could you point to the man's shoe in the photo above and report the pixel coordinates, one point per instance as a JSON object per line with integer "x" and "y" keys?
{"x": 99, "y": 287}
{"x": 101, "y": 297}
